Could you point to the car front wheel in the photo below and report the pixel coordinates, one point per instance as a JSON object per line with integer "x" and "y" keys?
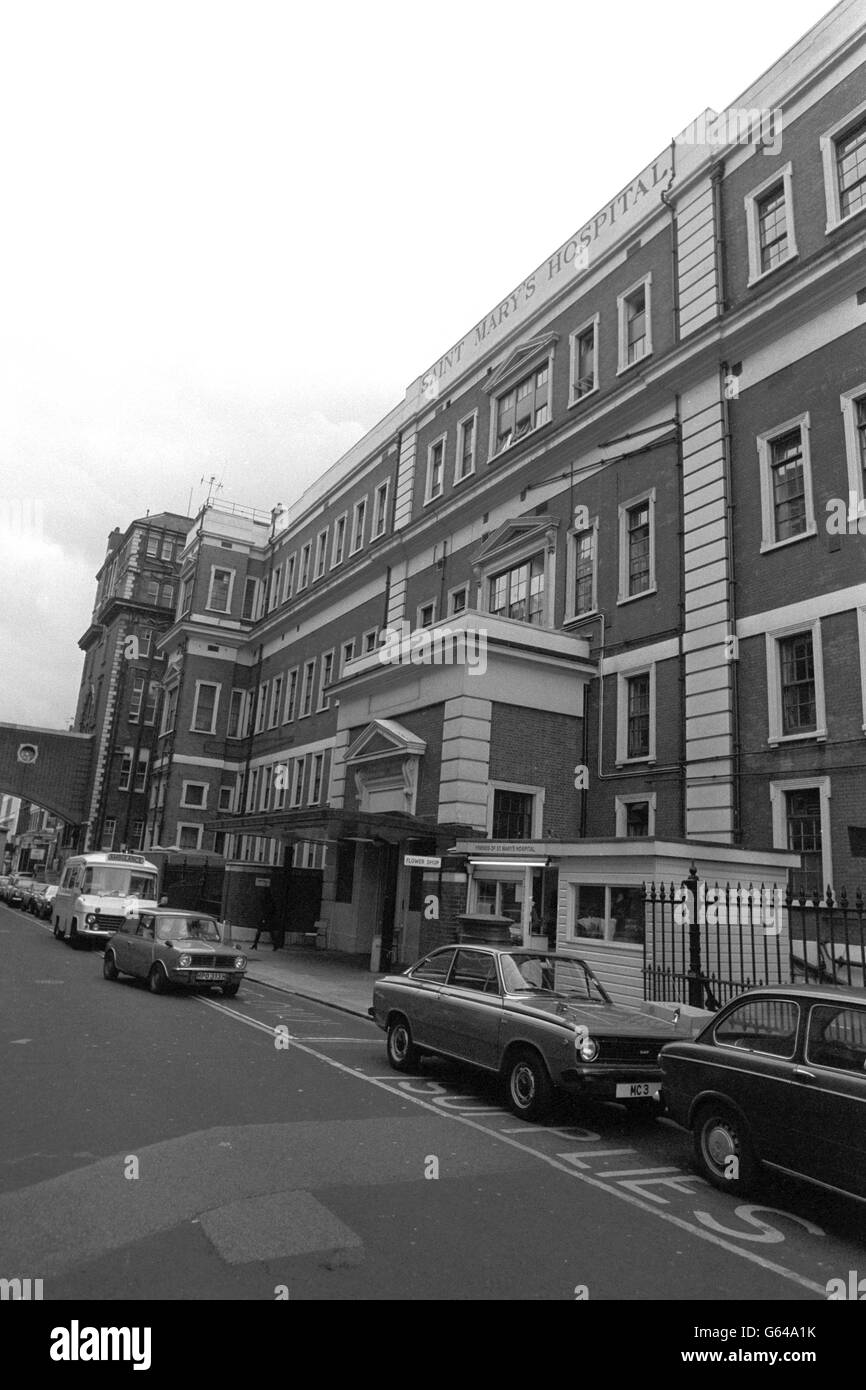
{"x": 157, "y": 981}
{"x": 109, "y": 969}
{"x": 528, "y": 1085}
{"x": 402, "y": 1053}
{"x": 723, "y": 1149}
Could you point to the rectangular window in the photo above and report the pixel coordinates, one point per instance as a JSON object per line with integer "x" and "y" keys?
{"x": 635, "y": 324}
{"x": 772, "y": 228}
{"x": 250, "y": 590}
{"x": 276, "y": 702}
{"x": 290, "y": 576}
{"x": 136, "y": 839}
{"x": 167, "y": 595}
{"x": 797, "y": 680}
{"x": 144, "y": 642}
{"x": 276, "y": 582}
{"x": 167, "y": 549}
{"x": 316, "y": 767}
{"x": 109, "y": 830}
{"x": 297, "y": 781}
{"x": 638, "y": 716}
{"x": 603, "y": 913}
{"x": 327, "y": 674}
{"x": 347, "y": 655}
{"x": 803, "y": 823}
{"x": 135, "y": 699}
{"x": 519, "y": 592}
{"x": 584, "y": 571}
{"x": 525, "y": 407}
{"x": 512, "y": 815}
{"x": 219, "y": 595}
{"x": 370, "y": 640}
{"x": 186, "y": 595}
{"x": 638, "y": 540}
{"x": 125, "y": 769}
{"x": 237, "y": 723}
{"x": 339, "y": 546}
{"x": 584, "y": 361}
{"x": 194, "y": 795}
{"x": 359, "y": 521}
{"x": 435, "y": 470}
{"x": 321, "y": 554}
{"x": 465, "y": 462}
{"x": 261, "y": 707}
{"x": 307, "y": 688}
{"x": 291, "y": 695}
{"x": 151, "y": 591}
{"x": 851, "y": 169}
{"x": 253, "y": 788}
{"x": 304, "y": 576}
{"x": 189, "y": 836}
{"x": 380, "y": 509}
{"x": 204, "y": 713}
{"x": 169, "y": 710}
{"x": 427, "y": 614}
{"x": 788, "y": 484}
{"x": 458, "y": 600}
{"x": 141, "y": 770}
{"x": 637, "y": 820}
{"x": 152, "y": 547}
{"x": 225, "y": 798}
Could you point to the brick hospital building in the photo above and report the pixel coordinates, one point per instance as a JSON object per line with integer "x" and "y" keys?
{"x": 628, "y": 499}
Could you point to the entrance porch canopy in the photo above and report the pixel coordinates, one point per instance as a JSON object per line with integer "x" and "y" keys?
{"x": 329, "y": 825}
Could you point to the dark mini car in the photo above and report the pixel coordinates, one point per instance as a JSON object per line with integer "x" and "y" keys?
{"x": 778, "y": 1078}
{"x": 172, "y": 947}
{"x": 540, "y": 1020}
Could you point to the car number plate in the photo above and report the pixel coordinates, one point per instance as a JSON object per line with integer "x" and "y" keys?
{"x": 210, "y": 975}
{"x": 636, "y": 1090}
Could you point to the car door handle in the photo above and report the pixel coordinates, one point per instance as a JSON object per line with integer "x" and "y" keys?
{"x": 803, "y": 1074}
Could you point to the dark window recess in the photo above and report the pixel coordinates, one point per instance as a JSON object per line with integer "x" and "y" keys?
{"x": 345, "y": 871}
{"x": 512, "y": 815}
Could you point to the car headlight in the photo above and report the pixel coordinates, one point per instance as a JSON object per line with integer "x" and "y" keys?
{"x": 183, "y": 961}
{"x": 89, "y": 920}
{"x": 588, "y": 1050}
{"x": 240, "y": 962}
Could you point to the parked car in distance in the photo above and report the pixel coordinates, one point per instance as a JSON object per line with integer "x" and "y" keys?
{"x": 40, "y": 904}
{"x": 542, "y": 1021}
{"x": 33, "y": 900}
{"x": 169, "y": 947}
{"x": 19, "y": 891}
{"x": 776, "y": 1080}
{"x": 5, "y": 885}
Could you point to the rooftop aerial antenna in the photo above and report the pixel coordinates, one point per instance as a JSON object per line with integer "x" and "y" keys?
{"x": 213, "y": 487}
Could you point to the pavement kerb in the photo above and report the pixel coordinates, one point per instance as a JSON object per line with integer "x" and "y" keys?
{"x": 314, "y": 998}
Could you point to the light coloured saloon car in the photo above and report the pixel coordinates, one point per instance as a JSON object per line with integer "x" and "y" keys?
{"x": 170, "y": 947}
{"x": 541, "y": 1021}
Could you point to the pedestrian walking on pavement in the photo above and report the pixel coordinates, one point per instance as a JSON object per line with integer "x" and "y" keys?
{"x": 268, "y": 923}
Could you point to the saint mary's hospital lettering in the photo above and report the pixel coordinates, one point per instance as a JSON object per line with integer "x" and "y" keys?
{"x": 575, "y": 257}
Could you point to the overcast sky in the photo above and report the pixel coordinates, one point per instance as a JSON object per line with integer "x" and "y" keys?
{"x": 234, "y": 233}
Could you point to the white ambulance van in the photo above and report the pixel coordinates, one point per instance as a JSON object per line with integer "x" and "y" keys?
{"x": 98, "y": 892}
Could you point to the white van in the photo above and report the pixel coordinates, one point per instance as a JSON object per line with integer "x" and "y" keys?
{"x": 98, "y": 892}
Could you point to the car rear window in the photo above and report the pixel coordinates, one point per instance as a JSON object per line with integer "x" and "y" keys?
{"x": 761, "y": 1025}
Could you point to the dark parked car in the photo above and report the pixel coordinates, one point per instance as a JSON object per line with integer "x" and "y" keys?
{"x": 19, "y": 891}
{"x": 778, "y": 1078}
{"x": 538, "y": 1019}
{"x": 172, "y": 947}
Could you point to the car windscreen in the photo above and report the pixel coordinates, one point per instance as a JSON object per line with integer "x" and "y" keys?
{"x": 176, "y": 929}
{"x": 545, "y": 974}
{"x": 105, "y": 881}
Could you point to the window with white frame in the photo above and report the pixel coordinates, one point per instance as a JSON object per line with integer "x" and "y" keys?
{"x": 135, "y": 700}
{"x": 109, "y": 830}
{"x": 152, "y": 547}
{"x": 518, "y": 592}
{"x": 370, "y": 641}
{"x": 261, "y": 706}
{"x": 770, "y": 224}
{"x": 281, "y": 783}
{"x": 251, "y": 589}
{"x": 225, "y": 798}
{"x": 136, "y": 838}
{"x": 435, "y": 470}
{"x": 141, "y": 769}
{"x": 426, "y": 615}
{"x": 321, "y": 554}
{"x": 169, "y": 710}
{"x": 843, "y": 153}
{"x": 290, "y": 576}
{"x": 584, "y": 360}
{"x": 186, "y": 595}
{"x": 125, "y": 769}
{"x": 795, "y": 683}
{"x": 380, "y": 509}
{"x": 219, "y": 597}
{"x": 307, "y": 688}
{"x": 359, "y": 522}
{"x": 801, "y": 823}
{"x": 636, "y": 716}
{"x": 635, "y": 815}
{"x": 267, "y": 787}
{"x": 637, "y": 547}
{"x": 634, "y": 313}
{"x": 166, "y": 595}
{"x": 338, "y": 547}
{"x": 297, "y": 786}
{"x": 167, "y": 549}
{"x": 237, "y": 725}
{"x": 458, "y": 600}
{"x": 787, "y": 509}
{"x": 853, "y": 405}
{"x": 253, "y": 789}
{"x": 515, "y": 811}
{"x": 194, "y": 795}
{"x": 205, "y": 708}
{"x": 304, "y": 573}
{"x": 276, "y": 582}
{"x": 317, "y": 763}
{"x": 347, "y": 654}
{"x": 188, "y": 836}
{"x": 325, "y": 678}
{"x": 464, "y": 463}
{"x": 605, "y": 912}
{"x": 276, "y": 702}
{"x": 291, "y": 695}
{"x": 521, "y": 409}
{"x": 581, "y": 597}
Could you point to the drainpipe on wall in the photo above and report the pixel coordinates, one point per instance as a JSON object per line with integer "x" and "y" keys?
{"x": 681, "y": 579}
{"x": 728, "y": 447}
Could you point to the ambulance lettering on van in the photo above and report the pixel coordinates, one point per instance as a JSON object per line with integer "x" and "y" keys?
{"x": 98, "y": 892}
